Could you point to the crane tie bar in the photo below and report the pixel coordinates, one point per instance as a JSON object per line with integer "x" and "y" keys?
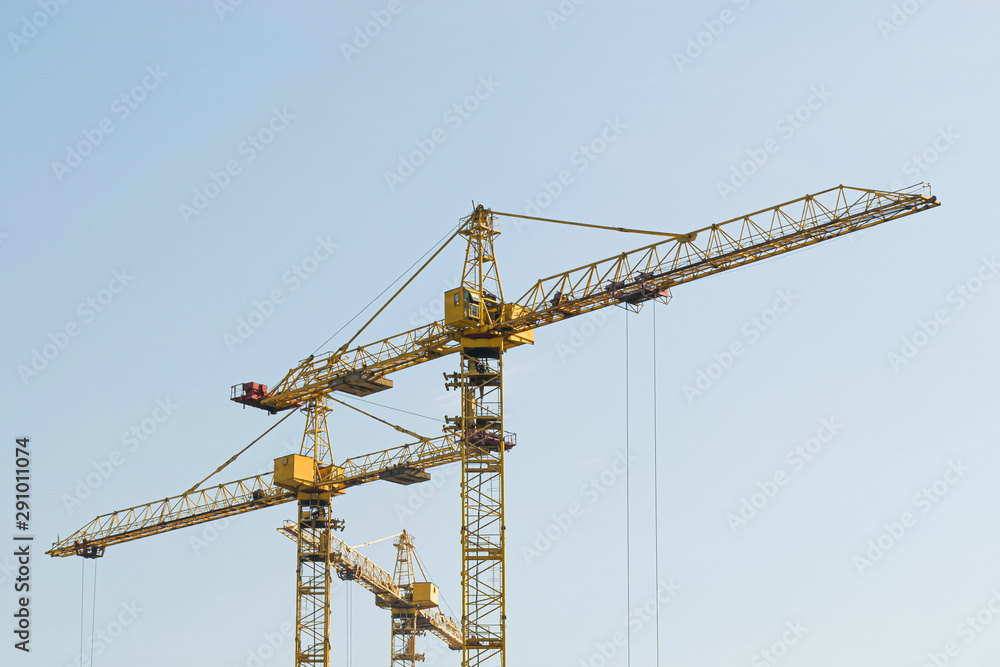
{"x": 679, "y": 237}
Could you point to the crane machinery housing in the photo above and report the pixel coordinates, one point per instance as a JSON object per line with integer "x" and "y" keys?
{"x": 479, "y": 327}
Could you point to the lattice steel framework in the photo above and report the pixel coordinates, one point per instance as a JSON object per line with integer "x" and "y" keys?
{"x": 312, "y": 572}
{"x": 628, "y": 277}
{"x": 480, "y": 426}
{"x": 477, "y": 435}
{"x": 404, "y": 620}
{"x": 312, "y": 614}
{"x": 484, "y": 617}
{"x": 245, "y": 495}
{"x": 480, "y": 272}
{"x": 404, "y": 638}
{"x": 351, "y": 565}
{"x": 316, "y": 439}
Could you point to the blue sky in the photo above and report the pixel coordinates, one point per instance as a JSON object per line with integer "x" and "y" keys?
{"x": 171, "y": 170}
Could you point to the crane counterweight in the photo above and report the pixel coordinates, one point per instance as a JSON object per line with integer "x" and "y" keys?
{"x": 249, "y": 393}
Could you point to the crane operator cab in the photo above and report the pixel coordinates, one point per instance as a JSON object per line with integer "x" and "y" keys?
{"x": 461, "y": 307}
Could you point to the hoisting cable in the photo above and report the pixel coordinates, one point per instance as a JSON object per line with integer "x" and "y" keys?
{"x": 398, "y": 428}
{"x": 628, "y": 513}
{"x": 584, "y": 224}
{"x": 656, "y": 501}
{"x": 381, "y": 539}
{"x": 387, "y": 288}
{"x": 233, "y": 457}
{"x": 430, "y": 577}
{"x": 83, "y": 582}
{"x": 93, "y": 618}
{"x": 420, "y": 565}
{"x": 343, "y": 348}
{"x": 350, "y": 629}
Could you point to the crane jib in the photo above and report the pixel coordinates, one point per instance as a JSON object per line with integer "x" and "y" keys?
{"x": 629, "y": 280}
{"x": 480, "y": 325}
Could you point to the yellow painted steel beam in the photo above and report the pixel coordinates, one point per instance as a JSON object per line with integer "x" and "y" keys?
{"x": 636, "y": 275}
{"x": 353, "y": 565}
{"x": 188, "y": 509}
{"x": 312, "y": 581}
{"x": 315, "y": 374}
{"x": 653, "y": 269}
{"x": 245, "y": 495}
{"x": 484, "y": 616}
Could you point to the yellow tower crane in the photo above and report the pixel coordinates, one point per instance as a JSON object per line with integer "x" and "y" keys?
{"x": 479, "y": 326}
{"x": 413, "y": 602}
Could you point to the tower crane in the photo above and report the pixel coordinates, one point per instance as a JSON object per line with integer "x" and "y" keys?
{"x": 413, "y": 602}
{"x": 479, "y": 327}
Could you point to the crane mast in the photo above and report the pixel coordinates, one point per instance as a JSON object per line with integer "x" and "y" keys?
{"x": 413, "y": 603}
{"x": 476, "y": 305}
{"x": 312, "y": 572}
{"x": 412, "y": 617}
{"x": 404, "y": 620}
{"x": 479, "y": 326}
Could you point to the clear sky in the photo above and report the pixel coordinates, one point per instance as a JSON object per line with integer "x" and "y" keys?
{"x": 172, "y": 171}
